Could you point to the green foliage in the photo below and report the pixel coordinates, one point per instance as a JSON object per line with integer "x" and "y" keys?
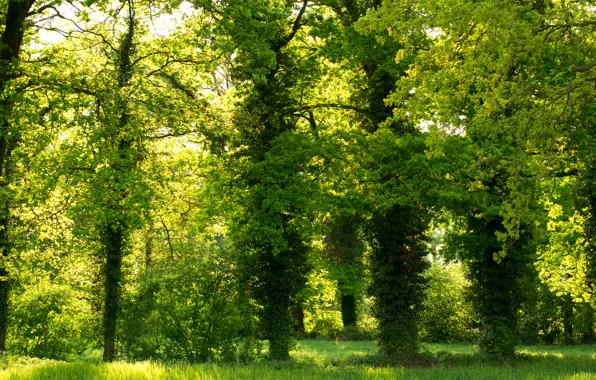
{"x": 323, "y": 139}
{"x": 192, "y": 309}
{"x": 50, "y": 321}
{"x": 448, "y": 314}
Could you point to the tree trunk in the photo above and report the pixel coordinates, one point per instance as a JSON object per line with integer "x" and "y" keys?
{"x": 10, "y": 46}
{"x": 498, "y": 293}
{"x": 568, "y": 318}
{"x": 115, "y": 232}
{"x": 397, "y": 282}
{"x": 113, "y": 237}
{"x": 4, "y": 284}
{"x": 298, "y": 315}
{"x": 588, "y": 336}
{"x": 348, "y": 310}
{"x": 345, "y": 249}
{"x": 149, "y": 246}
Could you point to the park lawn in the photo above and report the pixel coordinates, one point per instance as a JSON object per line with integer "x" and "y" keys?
{"x": 339, "y": 360}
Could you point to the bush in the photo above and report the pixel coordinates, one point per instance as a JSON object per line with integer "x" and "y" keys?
{"x": 322, "y": 315}
{"x": 447, "y": 314}
{"x": 50, "y": 321}
{"x": 190, "y": 309}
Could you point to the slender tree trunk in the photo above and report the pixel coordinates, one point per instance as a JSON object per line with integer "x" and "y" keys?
{"x": 10, "y": 46}
{"x": 149, "y": 246}
{"x": 348, "y": 310}
{"x": 4, "y": 241}
{"x": 4, "y": 283}
{"x": 568, "y": 318}
{"x": 588, "y": 336}
{"x": 298, "y": 315}
{"x": 345, "y": 249}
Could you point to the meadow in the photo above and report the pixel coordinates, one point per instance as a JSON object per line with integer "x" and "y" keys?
{"x": 316, "y": 359}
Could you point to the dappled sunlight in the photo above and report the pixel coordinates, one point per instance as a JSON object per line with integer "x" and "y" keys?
{"x": 536, "y": 354}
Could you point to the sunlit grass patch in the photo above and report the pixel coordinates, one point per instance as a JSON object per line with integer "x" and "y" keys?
{"x": 314, "y": 359}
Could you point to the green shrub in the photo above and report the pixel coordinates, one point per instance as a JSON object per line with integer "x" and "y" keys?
{"x": 447, "y": 314}
{"x": 322, "y": 315}
{"x": 50, "y": 321}
{"x": 190, "y": 309}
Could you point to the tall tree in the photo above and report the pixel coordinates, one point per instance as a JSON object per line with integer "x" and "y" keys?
{"x": 136, "y": 90}
{"x": 271, "y": 68}
{"x": 14, "y": 16}
{"x": 396, "y": 224}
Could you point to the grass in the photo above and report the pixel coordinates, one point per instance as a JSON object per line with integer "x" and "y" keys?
{"x": 338, "y": 360}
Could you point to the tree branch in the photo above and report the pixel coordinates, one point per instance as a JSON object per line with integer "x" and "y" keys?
{"x": 295, "y": 28}
{"x": 584, "y": 68}
{"x": 337, "y": 105}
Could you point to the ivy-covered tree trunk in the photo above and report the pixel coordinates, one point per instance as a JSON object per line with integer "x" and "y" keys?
{"x": 10, "y": 46}
{"x": 397, "y": 283}
{"x": 113, "y": 242}
{"x": 280, "y": 277}
{"x": 114, "y": 232}
{"x": 497, "y": 285}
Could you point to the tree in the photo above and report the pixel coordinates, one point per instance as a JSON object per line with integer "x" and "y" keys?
{"x": 270, "y": 70}
{"x": 135, "y": 90}
{"x": 14, "y": 16}
{"x": 396, "y": 212}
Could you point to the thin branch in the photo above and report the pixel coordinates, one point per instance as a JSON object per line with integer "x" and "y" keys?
{"x": 339, "y": 106}
{"x": 295, "y": 28}
{"x": 570, "y": 25}
{"x": 163, "y": 223}
{"x": 147, "y": 56}
{"x": 41, "y": 9}
{"x": 166, "y": 135}
{"x": 80, "y": 29}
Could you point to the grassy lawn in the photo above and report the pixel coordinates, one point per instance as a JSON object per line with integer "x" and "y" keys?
{"x": 339, "y": 360}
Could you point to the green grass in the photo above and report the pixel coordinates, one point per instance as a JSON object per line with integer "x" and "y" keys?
{"x": 338, "y": 360}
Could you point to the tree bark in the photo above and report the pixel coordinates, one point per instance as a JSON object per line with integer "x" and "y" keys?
{"x": 568, "y": 318}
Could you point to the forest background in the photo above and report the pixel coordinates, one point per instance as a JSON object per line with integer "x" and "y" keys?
{"x": 183, "y": 181}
